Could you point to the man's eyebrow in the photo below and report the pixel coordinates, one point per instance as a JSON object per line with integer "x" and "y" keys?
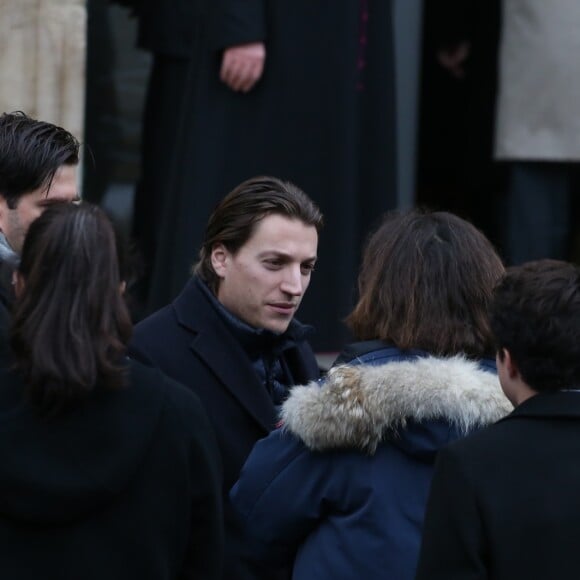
{"x": 283, "y": 255}
{"x": 274, "y": 253}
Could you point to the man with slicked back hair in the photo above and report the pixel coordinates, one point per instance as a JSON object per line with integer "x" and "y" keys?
{"x": 231, "y": 335}
{"x": 38, "y": 162}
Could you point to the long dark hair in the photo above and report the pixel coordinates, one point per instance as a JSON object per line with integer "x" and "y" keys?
{"x": 71, "y": 325}
{"x": 426, "y": 282}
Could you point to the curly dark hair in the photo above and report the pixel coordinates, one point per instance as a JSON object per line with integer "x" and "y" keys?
{"x": 535, "y": 315}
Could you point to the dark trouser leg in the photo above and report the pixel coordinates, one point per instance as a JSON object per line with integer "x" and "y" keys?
{"x": 538, "y": 208}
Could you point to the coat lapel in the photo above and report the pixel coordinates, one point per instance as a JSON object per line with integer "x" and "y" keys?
{"x": 215, "y": 345}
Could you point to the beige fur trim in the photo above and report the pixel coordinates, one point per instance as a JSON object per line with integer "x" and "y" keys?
{"x": 358, "y": 404}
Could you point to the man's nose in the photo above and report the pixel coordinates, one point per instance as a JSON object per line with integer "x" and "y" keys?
{"x": 292, "y": 281}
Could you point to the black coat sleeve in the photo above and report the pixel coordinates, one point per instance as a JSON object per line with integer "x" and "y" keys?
{"x": 233, "y": 22}
{"x": 453, "y": 540}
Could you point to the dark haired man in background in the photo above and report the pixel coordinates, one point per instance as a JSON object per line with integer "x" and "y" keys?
{"x": 231, "y": 335}
{"x": 505, "y": 502}
{"x": 38, "y": 162}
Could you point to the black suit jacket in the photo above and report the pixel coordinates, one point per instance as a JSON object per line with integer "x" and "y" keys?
{"x": 505, "y": 502}
{"x": 190, "y": 341}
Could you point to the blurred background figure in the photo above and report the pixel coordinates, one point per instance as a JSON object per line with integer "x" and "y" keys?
{"x": 42, "y": 60}
{"x": 456, "y": 171}
{"x": 100, "y": 455}
{"x": 538, "y": 124}
{"x": 167, "y": 30}
{"x": 340, "y": 490}
{"x": 298, "y": 89}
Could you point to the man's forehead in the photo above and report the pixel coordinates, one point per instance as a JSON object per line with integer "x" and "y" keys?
{"x": 278, "y": 225}
{"x": 276, "y": 233}
{"x": 62, "y": 187}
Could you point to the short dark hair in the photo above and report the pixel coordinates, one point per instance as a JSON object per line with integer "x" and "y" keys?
{"x": 425, "y": 282}
{"x": 31, "y": 152}
{"x": 234, "y": 220}
{"x": 535, "y": 315}
{"x": 71, "y": 325}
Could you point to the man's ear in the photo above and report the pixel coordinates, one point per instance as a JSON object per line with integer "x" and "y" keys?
{"x": 220, "y": 258}
{"x": 510, "y": 364}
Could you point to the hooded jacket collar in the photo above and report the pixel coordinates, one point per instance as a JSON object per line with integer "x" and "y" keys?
{"x": 358, "y": 406}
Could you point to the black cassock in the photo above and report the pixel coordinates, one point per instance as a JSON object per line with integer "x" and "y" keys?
{"x": 322, "y": 116}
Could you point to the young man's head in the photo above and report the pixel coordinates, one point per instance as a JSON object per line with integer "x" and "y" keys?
{"x": 535, "y": 317}
{"x": 259, "y": 251}
{"x": 37, "y": 168}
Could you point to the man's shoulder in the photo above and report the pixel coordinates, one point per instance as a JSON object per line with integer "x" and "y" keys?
{"x": 181, "y": 312}
{"x": 154, "y": 321}
{"x": 532, "y": 420}
{"x": 156, "y": 336}
{"x": 486, "y": 445}
{"x": 166, "y": 337}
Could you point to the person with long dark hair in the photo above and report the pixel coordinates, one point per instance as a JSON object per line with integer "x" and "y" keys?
{"x": 340, "y": 491}
{"x": 108, "y": 469}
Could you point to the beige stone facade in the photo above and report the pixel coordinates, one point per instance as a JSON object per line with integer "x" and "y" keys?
{"x": 42, "y": 60}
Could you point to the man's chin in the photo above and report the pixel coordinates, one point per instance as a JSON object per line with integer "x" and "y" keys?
{"x": 278, "y": 327}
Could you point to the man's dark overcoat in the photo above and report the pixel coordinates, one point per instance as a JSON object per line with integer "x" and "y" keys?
{"x": 322, "y": 116}
{"x": 505, "y": 502}
{"x": 191, "y": 342}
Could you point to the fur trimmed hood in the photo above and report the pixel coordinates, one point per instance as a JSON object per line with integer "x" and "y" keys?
{"x": 357, "y": 406}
